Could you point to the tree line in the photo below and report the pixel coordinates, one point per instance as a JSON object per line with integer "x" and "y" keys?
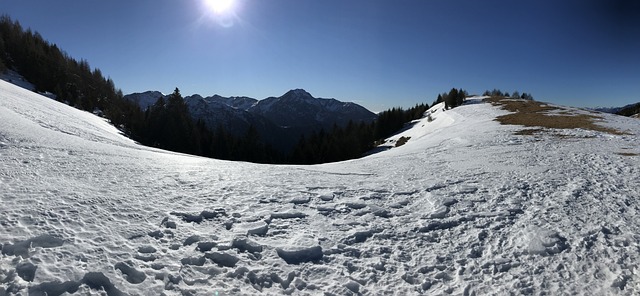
{"x": 454, "y": 98}
{"x": 353, "y": 140}
{"x": 514, "y": 95}
{"x": 52, "y": 70}
{"x": 167, "y": 124}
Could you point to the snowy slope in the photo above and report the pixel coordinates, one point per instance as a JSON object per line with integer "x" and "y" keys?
{"x": 14, "y": 78}
{"x": 465, "y": 207}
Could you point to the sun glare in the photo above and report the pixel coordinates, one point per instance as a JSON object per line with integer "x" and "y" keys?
{"x": 220, "y": 6}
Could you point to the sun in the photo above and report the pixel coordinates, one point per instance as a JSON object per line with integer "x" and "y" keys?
{"x": 220, "y": 6}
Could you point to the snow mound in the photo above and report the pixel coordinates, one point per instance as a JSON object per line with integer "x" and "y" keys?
{"x": 465, "y": 207}
{"x": 301, "y": 249}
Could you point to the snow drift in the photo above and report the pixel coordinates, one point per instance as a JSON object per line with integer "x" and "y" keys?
{"x": 464, "y": 207}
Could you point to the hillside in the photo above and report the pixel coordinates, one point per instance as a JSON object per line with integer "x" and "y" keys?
{"x": 632, "y": 110}
{"x": 467, "y": 206}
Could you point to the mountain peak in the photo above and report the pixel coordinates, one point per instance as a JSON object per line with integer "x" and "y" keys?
{"x": 144, "y": 99}
{"x": 297, "y": 93}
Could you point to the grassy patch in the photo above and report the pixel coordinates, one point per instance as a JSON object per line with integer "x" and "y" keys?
{"x": 536, "y": 114}
{"x": 402, "y": 141}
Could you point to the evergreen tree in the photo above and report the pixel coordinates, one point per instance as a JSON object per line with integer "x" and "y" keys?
{"x": 460, "y": 97}
{"x": 451, "y": 100}
{"x": 438, "y": 100}
{"x": 527, "y": 96}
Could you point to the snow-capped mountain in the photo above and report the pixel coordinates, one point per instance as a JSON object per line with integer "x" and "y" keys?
{"x": 280, "y": 121}
{"x": 466, "y": 207}
{"x": 230, "y": 114}
{"x": 617, "y": 110}
{"x": 145, "y": 99}
{"x": 241, "y": 103}
{"x": 299, "y": 109}
{"x": 611, "y": 110}
{"x": 296, "y": 108}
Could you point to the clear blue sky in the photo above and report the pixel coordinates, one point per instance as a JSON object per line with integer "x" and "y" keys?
{"x": 379, "y": 53}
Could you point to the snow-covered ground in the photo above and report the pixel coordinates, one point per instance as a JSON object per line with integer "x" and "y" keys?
{"x": 465, "y": 207}
{"x": 14, "y": 77}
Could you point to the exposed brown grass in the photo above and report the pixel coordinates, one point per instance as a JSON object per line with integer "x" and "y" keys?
{"x": 403, "y": 140}
{"x": 535, "y": 114}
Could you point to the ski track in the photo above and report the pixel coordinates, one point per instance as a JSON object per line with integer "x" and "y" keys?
{"x": 451, "y": 212}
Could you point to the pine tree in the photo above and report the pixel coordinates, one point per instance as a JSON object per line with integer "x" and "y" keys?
{"x": 460, "y": 97}
{"x": 452, "y": 98}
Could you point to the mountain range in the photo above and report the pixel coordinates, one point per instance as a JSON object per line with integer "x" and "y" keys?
{"x": 280, "y": 121}
{"x": 627, "y": 110}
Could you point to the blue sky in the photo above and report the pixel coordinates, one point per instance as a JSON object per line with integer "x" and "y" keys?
{"x": 379, "y": 53}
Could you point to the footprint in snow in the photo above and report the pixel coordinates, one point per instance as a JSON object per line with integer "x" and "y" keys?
{"x": 544, "y": 242}
{"x": 326, "y": 197}
{"x": 356, "y": 205}
{"x": 223, "y": 259}
{"x": 27, "y": 271}
{"x": 300, "y": 200}
{"x": 21, "y": 248}
{"x": 131, "y": 274}
{"x": 466, "y": 189}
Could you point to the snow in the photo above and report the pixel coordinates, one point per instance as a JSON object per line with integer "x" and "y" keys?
{"x": 15, "y": 78}
{"x": 464, "y": 207}
{"x": 145, "y": 99}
